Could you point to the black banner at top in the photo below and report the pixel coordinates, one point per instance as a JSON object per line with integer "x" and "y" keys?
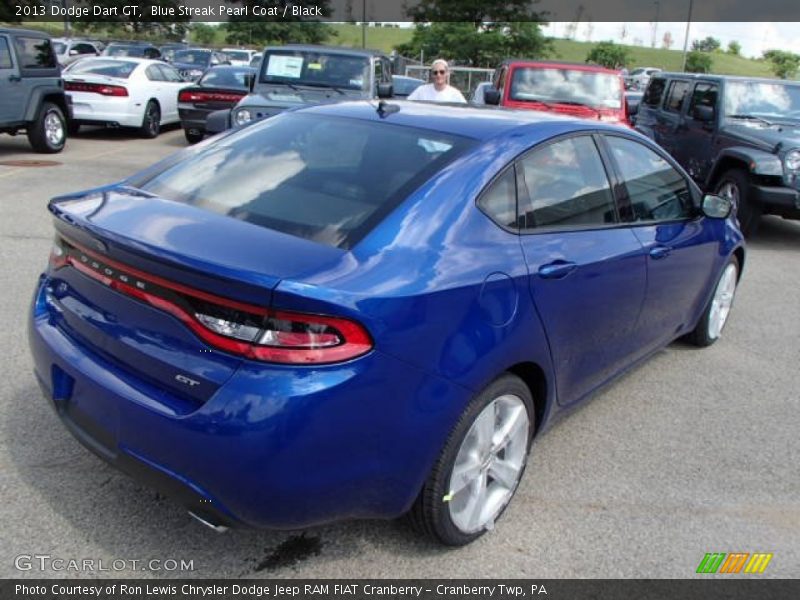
{"x": 397, "y": 11}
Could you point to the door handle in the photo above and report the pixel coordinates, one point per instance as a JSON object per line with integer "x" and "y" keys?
{"x": 658, "y": 252}
{"x": 557, "y": 270}
{"x": 14, "y": 78}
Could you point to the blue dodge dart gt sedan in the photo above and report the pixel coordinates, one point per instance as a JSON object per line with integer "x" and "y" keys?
{"x": 369, "y": 310}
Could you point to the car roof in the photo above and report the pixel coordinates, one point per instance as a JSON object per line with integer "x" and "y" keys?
{"x": 128, "y": 59}
{"x": 523, "y": 62}
{"x": 30, "y": 32}
{"x": 714, "y": 77}
{"x": 466, "y": 120}
{"x": 329, "y": 49}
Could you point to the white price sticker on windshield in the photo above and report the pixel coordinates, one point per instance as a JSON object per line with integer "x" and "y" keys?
{"x": 285, "y": 66}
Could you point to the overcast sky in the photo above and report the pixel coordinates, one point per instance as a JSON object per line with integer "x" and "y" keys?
{"x": 754, "y": 37}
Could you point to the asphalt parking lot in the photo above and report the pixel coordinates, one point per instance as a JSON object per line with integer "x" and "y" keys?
{"x": 695, "y": 451}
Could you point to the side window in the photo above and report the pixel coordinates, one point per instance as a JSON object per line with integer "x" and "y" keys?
{"x": 501, "y": 80}
{"x": 704, "y": 94}
{"x": 153, "y": 73}
{"x": 84, "y": 49}
{"x": 655, "y": 89}
{"x": 387, "y": 70}
{"x": 35, "y": 53}
{"x": 675, "y": 96}
{"x": 378, "y": 66}
{"x": 657, "y": 192}
{"x": 169, "y": 73}
{"x": 5, "y": 54}
{"x": 565, "y": 185}
{"x": 499, "y": 200}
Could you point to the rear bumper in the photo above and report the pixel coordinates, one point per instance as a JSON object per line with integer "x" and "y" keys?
{"x": 275, "y": 447}
{"x": 115, "y": 112}
{"x": 193, "y": 119}
{"x": 781, "y": 201}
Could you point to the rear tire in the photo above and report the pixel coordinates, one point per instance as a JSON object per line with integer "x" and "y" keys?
{"x": 735, "y": 185}
{"x": 480, "y": 466}
{"x": 193, "y": 138}
{"x": 715, "y": 316}
{"x": 151, "y": 122}
{"x": 48, "y": 133}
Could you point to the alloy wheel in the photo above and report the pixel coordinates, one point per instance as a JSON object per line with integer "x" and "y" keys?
{"x": 54, "y": 129}
{"x": 489, "y": 464}
{"x": 722, "y": 301}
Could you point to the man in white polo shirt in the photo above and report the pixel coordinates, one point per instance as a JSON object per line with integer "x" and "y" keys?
{"x": 439, "y": 90}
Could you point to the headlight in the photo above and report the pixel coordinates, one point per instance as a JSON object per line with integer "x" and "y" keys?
{"x": 792, "y": 160}
{"x": 242, "y": 116}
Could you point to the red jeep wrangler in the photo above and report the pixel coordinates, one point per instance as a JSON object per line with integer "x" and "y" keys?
{"x": 573, "y": 89}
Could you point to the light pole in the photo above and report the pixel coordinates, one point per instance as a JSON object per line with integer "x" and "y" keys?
{"x": 686, "y": 39}
{"x": 655, "y": 25}
{"x": 363, "y": 23}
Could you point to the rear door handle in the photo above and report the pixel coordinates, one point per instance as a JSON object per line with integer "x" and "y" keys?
{"x": 658, "y": 252}
{"x": 557, "y": 270}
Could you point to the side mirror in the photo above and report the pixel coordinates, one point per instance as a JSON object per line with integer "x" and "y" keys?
{"x": 492, "y": 96}
{"x": 716, "y": 207}
{"x": 385, "y": 90}
{"x": 703, "y": 113}
{"x": 631, "y": 107}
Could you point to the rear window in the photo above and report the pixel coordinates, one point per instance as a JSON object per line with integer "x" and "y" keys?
{"x": 326, "y": 179}
{"x": 120, "y": 69}
{"x": 655, "y": 89}
{"x": 35, "y": 53}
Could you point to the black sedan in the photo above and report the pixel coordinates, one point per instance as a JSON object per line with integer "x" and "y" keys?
{"x": 219, "y": 88}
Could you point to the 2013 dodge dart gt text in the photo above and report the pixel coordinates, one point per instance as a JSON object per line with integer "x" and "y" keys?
{"x": 365, "y": 310}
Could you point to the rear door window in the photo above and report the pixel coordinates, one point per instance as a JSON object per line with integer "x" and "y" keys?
{"x": 704, "y": 94}
{"x": 675, "y": 96}
{"x": 565, "y": 185}
{"x": 324, "y": 178}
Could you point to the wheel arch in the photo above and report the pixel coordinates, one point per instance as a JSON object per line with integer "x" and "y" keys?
{"x": 751, "y": 160}
{"x": 42, "y": 94}
{"x": 534, "y": 377}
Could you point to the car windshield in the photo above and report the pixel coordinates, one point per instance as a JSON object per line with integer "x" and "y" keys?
{"x": 318, "y": 69}
{"x": 232, "y": 78}
{"x": 566, "y": 85}
{"x": 195, "y": 57}
{"x": 120, "y": 69}
{"x": 323, "y": 178}
{"x": 766, "y": 99}
{"x": 59, "y": 48}
{"x": 238, "y": 55}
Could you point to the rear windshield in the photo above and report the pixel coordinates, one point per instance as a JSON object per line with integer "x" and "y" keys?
{"x": 225, "y": 77}
{"x": 120, "y": 69}
{"x": 238, "y": 55}
{"x": 195, "y": 57}
{"x": 566, "y": 85}
{"x": 117, "y": 50}
{"x": 322, "y": 178}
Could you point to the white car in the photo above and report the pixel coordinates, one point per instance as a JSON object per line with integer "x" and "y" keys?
{"x": 123, "y": 92}
{"x": 239, "y": 57}
{"x": 69, "y": 50}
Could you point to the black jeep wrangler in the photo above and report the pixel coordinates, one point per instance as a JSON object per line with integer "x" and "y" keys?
{"x": 31, "y": 90}
{"x": 738, "y": 137}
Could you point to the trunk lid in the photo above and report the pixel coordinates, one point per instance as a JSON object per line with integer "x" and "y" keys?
{"x": 153, "y": 245}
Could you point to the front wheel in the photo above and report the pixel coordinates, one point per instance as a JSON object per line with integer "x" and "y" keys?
{"x": 715, "y": 315}
{"x": 193, "y": 136}
{"x": 151, "y": 122}
{"x": 480, "y": 466}
{"x": 735, "y": 186}
{"x": 48, "y": 133}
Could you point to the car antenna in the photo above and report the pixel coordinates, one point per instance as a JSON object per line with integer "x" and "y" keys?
{"x": 385, "y": 109}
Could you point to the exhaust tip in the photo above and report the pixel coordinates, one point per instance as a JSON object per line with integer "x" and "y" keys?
{"x": 209, "y": 524}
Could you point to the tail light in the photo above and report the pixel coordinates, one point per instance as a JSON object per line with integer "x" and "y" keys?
{"x": 247, "y": 330}
{"x": 96, "y": 88}
{"x": 200, "y": 96}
